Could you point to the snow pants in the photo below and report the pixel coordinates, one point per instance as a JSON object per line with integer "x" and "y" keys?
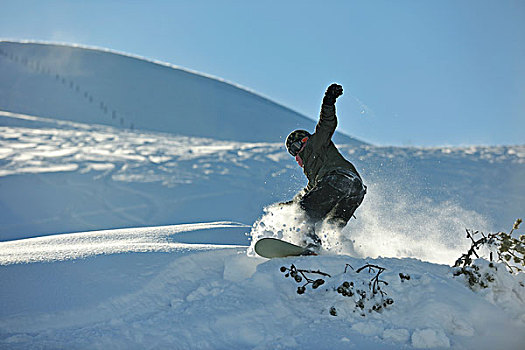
{"x": 335, "y": 197}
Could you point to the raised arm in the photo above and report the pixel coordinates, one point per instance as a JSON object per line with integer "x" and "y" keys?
{"x": 325, "y": 128}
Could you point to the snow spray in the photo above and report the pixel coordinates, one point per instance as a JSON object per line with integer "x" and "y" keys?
{"x": 400, "y": 224}
{"x": 390, "y": 223}
{"x": 286, "y": 222}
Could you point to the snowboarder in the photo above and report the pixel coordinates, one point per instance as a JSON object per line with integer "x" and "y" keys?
{"x": 334, "y": 189}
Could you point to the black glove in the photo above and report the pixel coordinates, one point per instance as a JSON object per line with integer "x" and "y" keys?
{"x": 332, "y": 93}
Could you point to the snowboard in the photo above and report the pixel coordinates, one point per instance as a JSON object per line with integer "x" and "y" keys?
{"x": 276, "y": 248}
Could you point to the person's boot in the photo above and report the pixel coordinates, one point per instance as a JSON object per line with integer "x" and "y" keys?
{"x": 312, "y": 242}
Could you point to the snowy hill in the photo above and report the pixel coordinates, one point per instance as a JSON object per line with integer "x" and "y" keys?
{"x": 141, "y": 238}
{"x": 104, "y": 87}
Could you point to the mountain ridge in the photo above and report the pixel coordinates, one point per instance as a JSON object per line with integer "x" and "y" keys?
{"x": 110, "y": 87}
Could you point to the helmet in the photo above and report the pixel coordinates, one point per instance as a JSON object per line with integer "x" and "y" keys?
{"x": 294, "y": 141}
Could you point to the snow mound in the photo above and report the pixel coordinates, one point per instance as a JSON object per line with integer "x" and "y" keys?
{"x": 147, "y": 239}
{"x": 225, "y": 299}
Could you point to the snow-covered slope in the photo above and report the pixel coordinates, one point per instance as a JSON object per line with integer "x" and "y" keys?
{"x": 104, "y": 87}
{"x": 176, "y": 295}
{"x": 112, "y": 237}
{"x": 60, "y": 177}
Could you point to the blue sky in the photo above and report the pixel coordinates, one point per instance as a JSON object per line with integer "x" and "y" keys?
{"x": 423, "y": 73}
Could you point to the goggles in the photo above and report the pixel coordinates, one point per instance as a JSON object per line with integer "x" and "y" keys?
{"x": 296, "y": 146}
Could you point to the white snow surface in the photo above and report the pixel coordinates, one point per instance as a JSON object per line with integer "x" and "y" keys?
{"x": 219, "y": 297}
{"x": 119, "y": 238}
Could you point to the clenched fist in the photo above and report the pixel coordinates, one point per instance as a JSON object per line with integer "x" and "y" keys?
{"x": 332, "y": 93}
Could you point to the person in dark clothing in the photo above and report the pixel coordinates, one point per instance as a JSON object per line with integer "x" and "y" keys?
{"x": 335, "y": 188}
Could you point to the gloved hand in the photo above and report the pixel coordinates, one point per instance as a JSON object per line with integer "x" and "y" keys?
{"x": 332, "y": 93}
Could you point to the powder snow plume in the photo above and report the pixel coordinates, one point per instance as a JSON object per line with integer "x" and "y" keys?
{"x": 389, "y": 223}
{"x": 400, "y": 224}
{"x": 286, "y": 222}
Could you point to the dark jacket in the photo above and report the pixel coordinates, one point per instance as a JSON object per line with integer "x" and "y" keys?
{"x": 320, "y": 156}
